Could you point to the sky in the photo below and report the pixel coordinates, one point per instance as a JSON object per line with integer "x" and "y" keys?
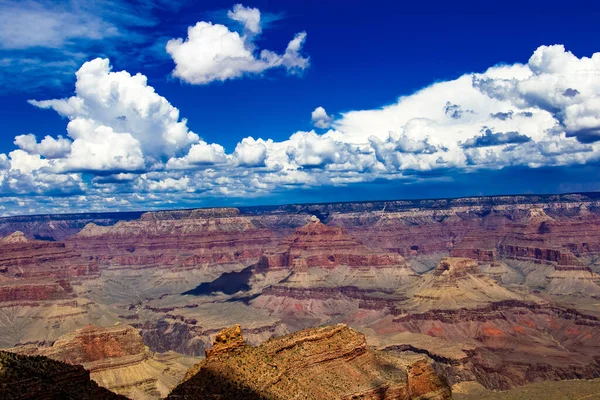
{"x": 155, "y": 104}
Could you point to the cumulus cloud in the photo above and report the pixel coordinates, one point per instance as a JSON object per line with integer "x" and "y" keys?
{"x": 4, "y": 163}
{"x": 200, "y": 154}
{"x": 166, "y": 185}
{"x": 321, "y": 119}
{"x": 213, "y": 52}
{"x": 540, "y": 114}
{"x": 311, "y": 150}
{"x": 26, "y": 163}
{"x": 250, "y": 152}
{"x": 117, "y": 121}
{"x": 556, "y": 81}
{"x": 49, "y": 147}
{"x": 97, "y": 148}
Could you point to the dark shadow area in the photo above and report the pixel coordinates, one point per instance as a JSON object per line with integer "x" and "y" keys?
{"x": 243, "y": 299}
{"x": 228, "y": 283}
{"x": 38, "y": 377}
{"x": 209, "y": 385}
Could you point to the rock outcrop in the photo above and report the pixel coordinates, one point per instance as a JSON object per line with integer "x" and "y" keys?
{"x": 14, "y": 238}
{"x": 457, "y": 283}
{"x": 226, "y": 340}
{"x": 319, "y": 245}
{"x": 322, "y": 363}
{"x": 118, "y": 360}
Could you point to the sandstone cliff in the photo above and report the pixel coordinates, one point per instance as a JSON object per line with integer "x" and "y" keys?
{"x": 117, "y": 359}
{"x": 319, "y": 245}
{"x": 187, "y": 238}
{"x": 321, "y": 363}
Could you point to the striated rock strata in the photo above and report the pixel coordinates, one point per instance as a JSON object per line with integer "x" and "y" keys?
{"x": 117, "y": 359}
{"x": 322, "y": 363}
{"x": 186, "y": 238}
{"x": 319, "y": 245}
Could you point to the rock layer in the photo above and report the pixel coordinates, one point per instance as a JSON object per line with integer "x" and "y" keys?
{"x": 117, "y": 359}
{"x": 322, "y": 363}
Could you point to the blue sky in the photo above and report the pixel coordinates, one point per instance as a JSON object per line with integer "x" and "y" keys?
{"x": 435, "y": 99}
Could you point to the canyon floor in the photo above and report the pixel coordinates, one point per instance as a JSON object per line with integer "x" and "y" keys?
{"x": 497, "y": 294}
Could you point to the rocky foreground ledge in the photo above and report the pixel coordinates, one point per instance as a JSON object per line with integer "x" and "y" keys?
{"x": 38, "y": 377}
{"x": 331, "y": 362}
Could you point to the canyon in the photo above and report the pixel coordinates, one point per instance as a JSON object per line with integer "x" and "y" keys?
{"x": 498, "y": 292}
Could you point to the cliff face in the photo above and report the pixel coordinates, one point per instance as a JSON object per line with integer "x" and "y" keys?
{"x": 187, "y": 238}
{"x": 117, "y": 359}
{"x": 37, "y": 377}
{"x": 59, "y": 226}
{"x": 25, "y": 258}
{"x": 318, "y": 245}
{"x": 323, "y": 363}
{"x": 39, "y": 283}
{"x": 456, "y": 283}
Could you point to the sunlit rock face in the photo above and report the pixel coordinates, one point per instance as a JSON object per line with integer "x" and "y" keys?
{"x": 321, "y": 363}
{"x": 117, "y": 359}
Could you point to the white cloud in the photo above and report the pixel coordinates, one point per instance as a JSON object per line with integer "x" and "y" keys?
{"x": 200, "y": 154}
{"x": 250, "y": 152}
{"x": 204, "y": 153}
{"x": 99, "y": 148}
{"x": 168, "y": 184}
{"x": 26, "y": 163}
{"x": 558, "y": 82}
{"x": 4, "y": 163}
{"x": 49, "y": 147}
{"x": 249, "y": 17}
{"x": 320, "y": 119}
{"x": 120, "y": 114}
{"x": 212, "y": 52}
{"x": 309, "y": 150}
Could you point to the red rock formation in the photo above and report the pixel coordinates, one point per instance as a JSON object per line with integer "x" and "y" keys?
{"x": 456, "y": 283}
{"x": 538, "y": 254}
{"x": 322, "y": 363}
{"x": 510, "y": 343}
{"x": 424, "y": 383}
{"x": 548, "y": 246}
{"x": 229, "y": 339}
{"x": 92, "y": 343}
{"x": 319, "y": 245}
{"x": 21, "y": 290}
{"x": 34, "y": 270}
{"x": 116, "y": 359}
{"x": 25, "y": 258}
{"x": 176, "y": 238}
